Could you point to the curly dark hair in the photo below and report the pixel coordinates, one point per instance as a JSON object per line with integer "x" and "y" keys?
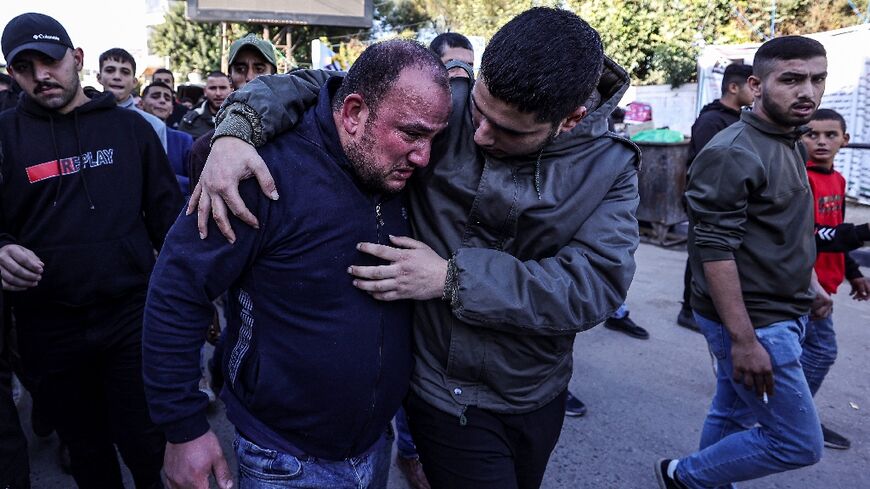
{"x": 544, "y": 61}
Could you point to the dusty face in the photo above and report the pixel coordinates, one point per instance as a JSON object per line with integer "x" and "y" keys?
{"x": 824, "y": 139}
{"x": 52, "y": 83}
{"x": 117, "y": 77}
{"x": 397, "y": 139}
{"x": 164, "y": 78}
{"x": 158, "y": 101}
{"x": 501, "y": 130}
{"x": 249, "y": 64}
{"x": 217, "y": 89}
{"x": 791, "y": 92}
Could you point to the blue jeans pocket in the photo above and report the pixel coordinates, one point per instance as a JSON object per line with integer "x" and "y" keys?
{"x": 782, "y": 341}
{"x": 263, "y": 464}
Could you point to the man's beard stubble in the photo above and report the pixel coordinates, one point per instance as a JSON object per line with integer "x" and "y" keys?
{"x": 781, "y": 116}
{"x": 361, "y": 156}
{"x": 58, "y": 101}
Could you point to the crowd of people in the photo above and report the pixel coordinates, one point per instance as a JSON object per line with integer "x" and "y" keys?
{"x": 429, "y": 237}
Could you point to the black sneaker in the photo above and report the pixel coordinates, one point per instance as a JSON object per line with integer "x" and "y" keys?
{"x": 666, "y": 482}
{"x": 627, "y": 326}
{"x": 835, "y": 440}
{"x": 687, "y": 320}
{"x": 574, "y": 406}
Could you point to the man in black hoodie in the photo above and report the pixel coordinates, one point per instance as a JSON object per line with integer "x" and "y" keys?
{"x": 714, "y": 117}
{"x": 86, "y": 196}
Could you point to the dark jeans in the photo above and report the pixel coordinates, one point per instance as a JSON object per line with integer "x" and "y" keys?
{"x": 88, "y": 366}
{"x": 498, "y": 451}
{"x": 14, "y": 466}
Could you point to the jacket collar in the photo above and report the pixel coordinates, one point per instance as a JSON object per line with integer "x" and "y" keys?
{"x": 813, "y": 166}
{"x": 326, "y": 123}
{"x": 791, "y": 135}
{"x": 127, "y": 103}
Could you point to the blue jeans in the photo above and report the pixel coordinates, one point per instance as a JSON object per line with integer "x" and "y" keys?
{"x": 788, "y": 435}
{"x": 404, "y": 443}
{"x": 820, "y": 351}
{"x": 262, "y": 468}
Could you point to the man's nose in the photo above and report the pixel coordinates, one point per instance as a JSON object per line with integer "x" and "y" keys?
{"x": 483, "y": 135}
{"x": 419, "y": 156}
{"x": 41, "y": 71}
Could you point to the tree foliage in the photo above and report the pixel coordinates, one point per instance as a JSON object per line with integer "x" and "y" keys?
{"x": 190, "y": 46}
{"x": 196, "y": 46}
{"x": 657, "y": 41}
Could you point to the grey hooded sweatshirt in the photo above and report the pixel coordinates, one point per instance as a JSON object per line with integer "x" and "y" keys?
{"x": 540, "y": 248}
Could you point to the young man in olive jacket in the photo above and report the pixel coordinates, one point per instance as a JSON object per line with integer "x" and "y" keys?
{"x": 752, "y": 252}
{"x": 526, "y": 221}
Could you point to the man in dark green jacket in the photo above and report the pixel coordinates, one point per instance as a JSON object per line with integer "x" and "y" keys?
{"x": 752, "y": 253}
{"x": 526, "y": 221}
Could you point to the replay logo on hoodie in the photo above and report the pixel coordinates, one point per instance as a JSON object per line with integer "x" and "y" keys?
{"x": 66, "y": 166}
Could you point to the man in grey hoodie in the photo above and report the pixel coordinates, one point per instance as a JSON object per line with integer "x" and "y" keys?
{"x": 526, "y": 226}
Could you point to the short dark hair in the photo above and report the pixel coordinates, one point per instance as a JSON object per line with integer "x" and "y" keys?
{"x": 119, "y": 55}
{"x": 829, "y": 115}
{"x": 375, "y": 72}
{"x": 735, "y": 73}
{"x": 158, "y": 85}
{"x": 217, "y": 74}
{"x": 164, "y": 70}
{"x": 544, "y": 61}
{"x": 449, "y": 40}
{"x": 783, "y": 49}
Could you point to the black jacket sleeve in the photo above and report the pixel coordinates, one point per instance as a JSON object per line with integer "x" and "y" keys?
{"x": 843, "y": 238}
{"x": 703, "y": 131}
{"x": 853, "y": 270}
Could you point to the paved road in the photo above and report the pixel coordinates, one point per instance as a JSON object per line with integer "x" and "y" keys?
{"x": 647, "y": 399}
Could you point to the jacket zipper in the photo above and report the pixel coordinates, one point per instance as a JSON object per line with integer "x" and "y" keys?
{"x": 379, "y": 224}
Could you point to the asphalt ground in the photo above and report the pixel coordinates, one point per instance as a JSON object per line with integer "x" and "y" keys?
{"x": 647, "y": 398}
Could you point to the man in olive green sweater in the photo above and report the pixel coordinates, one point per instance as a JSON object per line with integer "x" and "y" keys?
{"x": 752, "y": 252}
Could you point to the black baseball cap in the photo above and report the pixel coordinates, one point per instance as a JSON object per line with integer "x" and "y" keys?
{"x": 37, "y": 32}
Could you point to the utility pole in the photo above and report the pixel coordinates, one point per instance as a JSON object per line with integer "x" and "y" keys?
{"x": 772, "y": 19}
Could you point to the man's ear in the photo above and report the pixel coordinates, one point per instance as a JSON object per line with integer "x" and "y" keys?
{"x": 79, "y": 57}
{"x": 354, "y": 113}
{"x": 733, "y": 88}
{"x": 845, "y": 139}
{"x": 754, "y": 86}
{"x": 572, "y": 120}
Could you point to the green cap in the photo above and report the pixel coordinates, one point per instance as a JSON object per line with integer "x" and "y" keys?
{"x": 262, "y": 46}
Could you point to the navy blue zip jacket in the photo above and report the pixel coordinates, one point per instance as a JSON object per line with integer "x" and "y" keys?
{"x": 313, "y": 366}
{"x": 91, "y": 193}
